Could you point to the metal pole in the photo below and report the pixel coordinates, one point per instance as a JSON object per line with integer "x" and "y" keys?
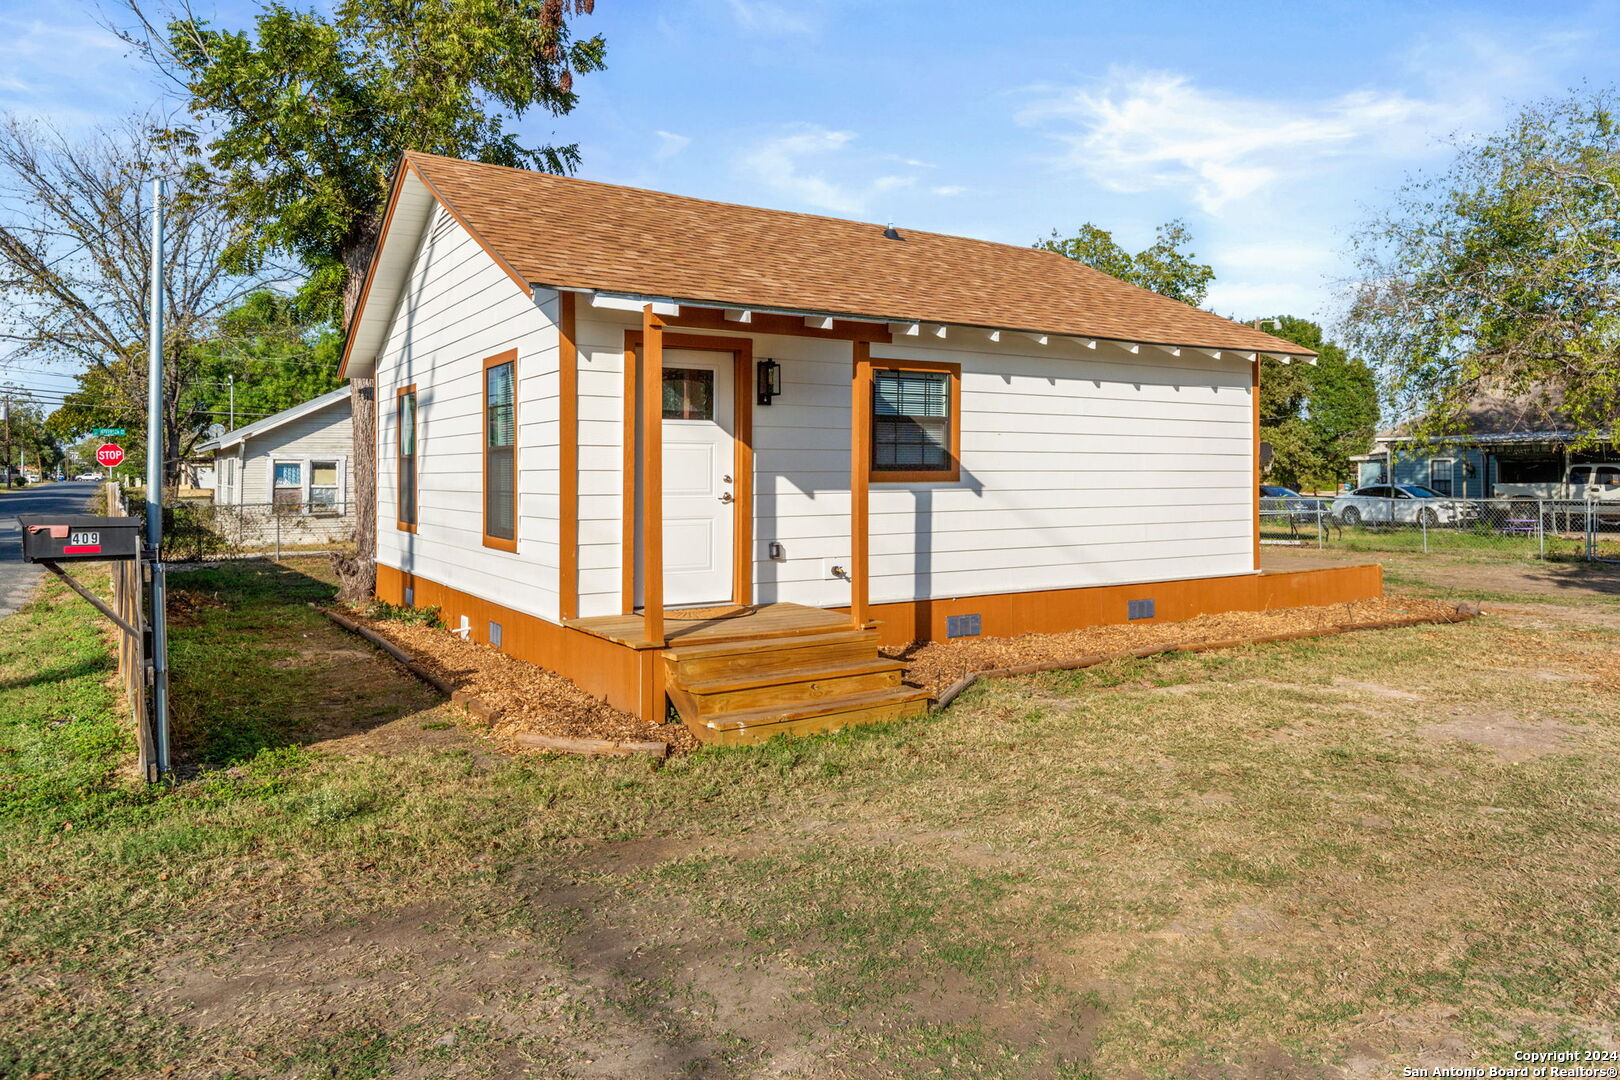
{"x": 1541, "y": 530}
{"x": 1423, "y": 520}
{"x": 5, "y": 465}
{"x": 230, "y": 384}
{"x": 154, "y": 489}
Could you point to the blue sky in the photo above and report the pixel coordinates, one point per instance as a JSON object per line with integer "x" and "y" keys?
{"x": 1269, "y": 127}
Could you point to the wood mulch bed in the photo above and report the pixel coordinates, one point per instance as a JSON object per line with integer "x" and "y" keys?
{"x": 524, "y": 698}
{"x": 529, "y": 700}
{"x": 937, "y": 665}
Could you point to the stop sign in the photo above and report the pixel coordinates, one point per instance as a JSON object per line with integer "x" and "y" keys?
{"x": 109, "y": 454}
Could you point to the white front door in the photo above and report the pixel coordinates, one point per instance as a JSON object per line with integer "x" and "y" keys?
{"x": 699, "y": 458}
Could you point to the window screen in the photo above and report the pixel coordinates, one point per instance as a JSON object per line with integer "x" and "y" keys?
{"x": 500, "y": 466}
{"x": 406, "y": 461}
{"x": 911, "y": 421}
{"x": 1440, "y": 470}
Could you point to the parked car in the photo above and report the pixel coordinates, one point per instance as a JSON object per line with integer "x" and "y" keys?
{"x": 1594, "y": 482}
{"x": 1277, "y": 501}
{"x": 1410, "y": 504}
{"x": 87, "y": 476}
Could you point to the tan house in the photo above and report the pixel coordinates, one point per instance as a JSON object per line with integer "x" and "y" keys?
{"x": 711, "y": 455}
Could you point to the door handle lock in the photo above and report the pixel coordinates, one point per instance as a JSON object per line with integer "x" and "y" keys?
{"x": 727, "y": 498}
{"x": 725, "y": 479}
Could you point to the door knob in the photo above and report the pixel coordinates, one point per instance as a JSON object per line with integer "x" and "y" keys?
{"x": 725, "y": 479}
{"x": 727, "y": 498}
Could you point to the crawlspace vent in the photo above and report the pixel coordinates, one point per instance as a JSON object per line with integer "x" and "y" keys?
{"x": 962, "y": 626}
{"x": 495, "y": 634}
{"x": 1139, "y": 609}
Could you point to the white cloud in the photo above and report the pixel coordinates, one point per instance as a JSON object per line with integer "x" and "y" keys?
{"x": 670, "y": 144}
{"x": 1142, "y": 130}
{"x": 798, "y": 165}
{"x": 764, "y": 17}
{"x": 948, "y": 189}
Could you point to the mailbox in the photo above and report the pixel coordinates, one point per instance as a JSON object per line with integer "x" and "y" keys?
{"x": 63, "y": 538}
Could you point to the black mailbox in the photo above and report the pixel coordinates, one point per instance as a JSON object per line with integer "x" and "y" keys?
{"x": 62, "y": 538}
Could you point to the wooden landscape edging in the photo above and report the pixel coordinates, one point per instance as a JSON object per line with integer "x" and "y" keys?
{"x": 487, "y": 714}
{"x": 1464, "y": 613}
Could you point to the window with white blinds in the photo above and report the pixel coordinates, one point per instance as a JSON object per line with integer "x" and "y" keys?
{"x": 911, "y": 421}
{"x": 500, "y": 458}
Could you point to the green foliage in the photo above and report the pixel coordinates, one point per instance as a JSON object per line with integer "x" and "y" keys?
{"x": 276, "y": 358}
{"x": 31, "y": 439}
{"x": 1315, "y": 418}
{"x": 303, "y": 118}
{"x": 1166, "y": 267}
{"x": 411, "y": 616}
{"x": 1497, "y": 277}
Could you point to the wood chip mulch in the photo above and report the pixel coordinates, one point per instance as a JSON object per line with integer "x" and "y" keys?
{"x": 530, "y": 699}
{"x": 525, "y": 698}
{"x": 936, "y": 665}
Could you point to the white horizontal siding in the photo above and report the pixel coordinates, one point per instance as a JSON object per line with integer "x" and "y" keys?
{"x": 1079, "y": 467}
{"x": 326, "y": 435}
{"x": 458, "y": 308}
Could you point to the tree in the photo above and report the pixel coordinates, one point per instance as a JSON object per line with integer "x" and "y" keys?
{"x": 302, "y": 121}
{"x": 1165, "y": 267}
{"x": 262, "y": 348}
{"x": 27, "y": 441}
{"x": 75, "y": 265}
{"x": 1315, "y": 417}
{"x": 1500, "y": 275}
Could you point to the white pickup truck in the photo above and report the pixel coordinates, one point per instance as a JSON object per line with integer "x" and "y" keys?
{"x": 1596, "y": 483}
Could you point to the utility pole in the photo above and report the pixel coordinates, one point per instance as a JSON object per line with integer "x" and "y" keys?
{"x": 230, "y": 385}
{"x": 5, "y": 463}
{"x": 154, "y": 491}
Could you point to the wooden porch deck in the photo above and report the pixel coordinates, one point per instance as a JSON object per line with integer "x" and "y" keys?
{"x": 758, "y": 621}
{"x": 768, "y": 670}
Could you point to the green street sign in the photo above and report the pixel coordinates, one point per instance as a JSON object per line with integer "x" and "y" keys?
{"x": 107, "y": 431}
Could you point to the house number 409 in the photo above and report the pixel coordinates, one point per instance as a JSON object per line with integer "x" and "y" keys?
{"x": 84, "y": 539}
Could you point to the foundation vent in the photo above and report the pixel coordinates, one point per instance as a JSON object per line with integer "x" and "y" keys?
{"x": 1139, "y": 609}
{"x": 410, "y": 596}
{"x": 962, "y": 626}
{"x": 495, "y": 634}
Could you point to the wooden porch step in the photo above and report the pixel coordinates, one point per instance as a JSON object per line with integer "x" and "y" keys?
{"x": 756, "y": 725}
{"x": 689, "y": 664}
{"x": 814, "y": 682}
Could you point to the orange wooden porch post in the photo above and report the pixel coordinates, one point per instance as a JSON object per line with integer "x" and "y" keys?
{"x": 652, "y": 474}
{"x": 567, "y": 461}
{"x": 860, "y": 473}
{"x": 1254, "y": 407}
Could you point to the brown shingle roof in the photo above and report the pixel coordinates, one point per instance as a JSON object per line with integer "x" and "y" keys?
{"x": 561, "y": 231}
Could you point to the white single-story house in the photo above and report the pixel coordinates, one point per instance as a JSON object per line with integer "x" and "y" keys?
{"x": 295, "y": 464}
{"x": 855, "y": 436}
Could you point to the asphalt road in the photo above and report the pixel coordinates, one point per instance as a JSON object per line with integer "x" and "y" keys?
{"x": 17, "y": 578}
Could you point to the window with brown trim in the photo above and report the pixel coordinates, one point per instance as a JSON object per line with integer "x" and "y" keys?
{"x": 500, "y": 451}
{"x": 916, "y": 422}
{"x": 405, "y": 457}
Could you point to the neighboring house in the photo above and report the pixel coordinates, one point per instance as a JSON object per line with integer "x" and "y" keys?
{"x": 855, "y": 435}
{"x": 1503, "y": 442}
{"x": 295, "y": 465}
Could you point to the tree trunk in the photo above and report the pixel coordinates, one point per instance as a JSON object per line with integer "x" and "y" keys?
{"x": 357, "y": 575}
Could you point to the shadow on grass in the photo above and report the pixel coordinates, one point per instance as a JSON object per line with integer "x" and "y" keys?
{"x": 89, "y": 666}
{"x": 253, "y": 666}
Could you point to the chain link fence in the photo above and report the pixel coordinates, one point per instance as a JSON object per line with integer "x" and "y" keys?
{"x": 202, "y": 531}
{"x": 1513, "y": 528}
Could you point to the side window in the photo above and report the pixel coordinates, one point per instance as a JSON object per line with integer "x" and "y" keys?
{"x": 500, "y": 451}
{"x": 915, "y": 423}
{"x": 1606, "y": 476}
{"x": 405, "y": 456}
{"x": 287, "y": 483}
{"x": 323, "y": 486}
{"x": 1580, "y": 475}
{"x": 1440, "y": 473}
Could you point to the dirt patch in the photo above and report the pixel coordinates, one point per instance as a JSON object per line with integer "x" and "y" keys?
{"x": 526, "y": 698}
{"x": 936, "y": 665}
{"x": 185, "y": 606}
{"x": 1513, "y": 739}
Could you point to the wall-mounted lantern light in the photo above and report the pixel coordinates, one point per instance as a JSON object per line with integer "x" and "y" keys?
{"x": 770, "y": 381}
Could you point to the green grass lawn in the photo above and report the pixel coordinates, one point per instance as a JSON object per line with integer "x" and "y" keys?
{"x": 1320, "y": 858}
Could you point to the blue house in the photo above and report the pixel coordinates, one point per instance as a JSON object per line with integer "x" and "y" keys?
{"x": 1505, "y": 443}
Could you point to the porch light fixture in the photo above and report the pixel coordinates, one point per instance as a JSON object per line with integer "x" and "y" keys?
{"x": 769, "y": 381}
